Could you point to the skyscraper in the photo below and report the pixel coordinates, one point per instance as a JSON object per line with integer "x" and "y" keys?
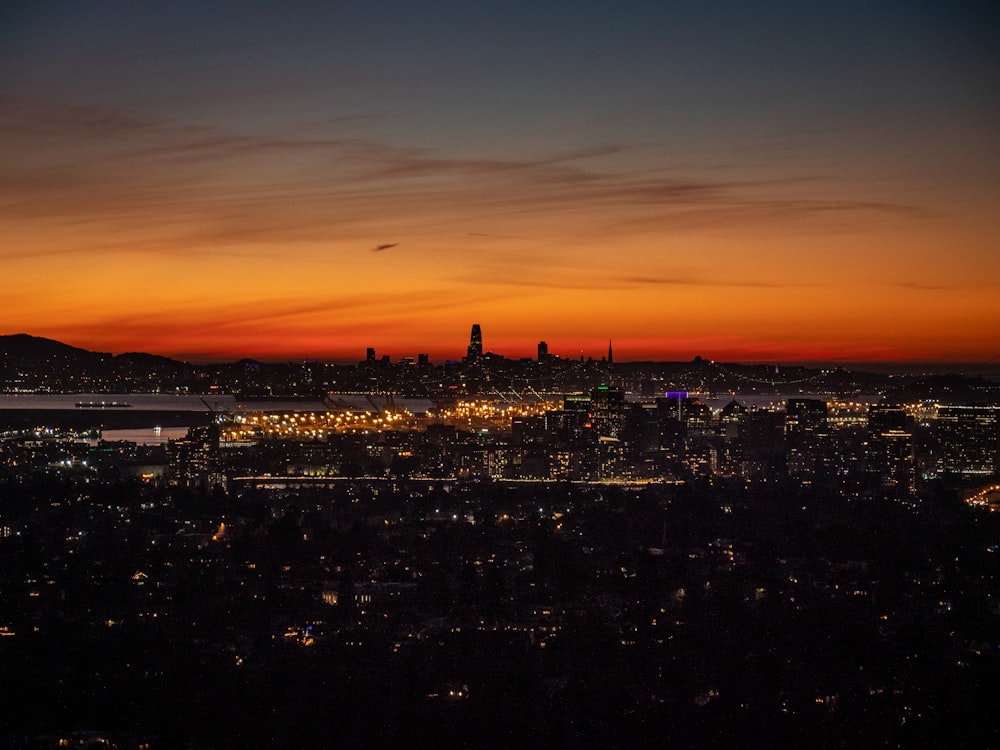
{"x": 968, "y": 439}
{"x": 889, "y": 455}
{"x": 475, "y": 352}
{"x": 543, "y": 351}
{"x": 807, "y": 446}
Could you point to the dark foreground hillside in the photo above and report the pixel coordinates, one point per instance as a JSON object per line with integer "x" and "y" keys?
{"x": 489, "y": 615}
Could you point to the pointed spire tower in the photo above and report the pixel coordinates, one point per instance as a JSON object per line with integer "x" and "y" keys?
{"x": 475, "y": 350}
{"x": 611, "y": 356}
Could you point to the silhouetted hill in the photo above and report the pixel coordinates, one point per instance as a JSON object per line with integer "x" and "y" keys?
{"x": 149, "y": 361}
{"x": 33, "y": 362}
{"x": 25, "y": 348}
{"x": 946, "y": 389}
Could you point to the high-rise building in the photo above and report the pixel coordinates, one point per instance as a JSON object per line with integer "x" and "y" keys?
{"x": 968, "y": 439}
{"x": 611, "y": 356}
{"x": 889, "y": 451}
{"x": 608, "y": 408}
{"x": 475, "y": 352}
{"x": 805, "y": 415}
{"x": 731, "y": 418}
{"x": 194, "y": 458}
{"x": 543, "y": 351}
{"x": 886, "y": 417}
{"x": 807, "y": 446}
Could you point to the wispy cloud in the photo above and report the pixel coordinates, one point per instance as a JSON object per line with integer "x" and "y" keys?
{"x": 916, "y": 286}
{"x": 658, "y": 281}
{"x": 496, "y": 236}
{"x": 678, "y": 281}
{"x": 122, "y": 180}
{"x": 32, "y": 117}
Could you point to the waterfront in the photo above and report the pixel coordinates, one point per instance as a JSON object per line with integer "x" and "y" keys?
{"x": 145, "y": 435}
{"x": 135, "y": 401}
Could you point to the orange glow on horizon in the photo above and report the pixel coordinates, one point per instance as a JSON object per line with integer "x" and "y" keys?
{"x": 164, "y": 246}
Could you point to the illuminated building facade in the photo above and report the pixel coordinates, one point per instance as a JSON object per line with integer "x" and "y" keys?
{"x": 807, "y": 446}
{"x": 967, "y": 439}
{"x": 889, "y": 450}
{"x": 194, "y": 460}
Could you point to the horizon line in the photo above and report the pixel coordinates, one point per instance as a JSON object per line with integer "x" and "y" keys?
{"x": 209, "y": 358}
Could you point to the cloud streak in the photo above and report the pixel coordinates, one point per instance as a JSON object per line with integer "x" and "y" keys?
{"x": 223, "y": 187}
{"x": 667, "y": 281}
{"x": 929, "y": 287}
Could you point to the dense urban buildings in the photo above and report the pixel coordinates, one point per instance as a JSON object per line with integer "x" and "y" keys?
{"x": 495, "y": 553}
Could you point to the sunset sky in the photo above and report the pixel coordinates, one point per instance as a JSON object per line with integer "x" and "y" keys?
{"x": 738, "y": 180}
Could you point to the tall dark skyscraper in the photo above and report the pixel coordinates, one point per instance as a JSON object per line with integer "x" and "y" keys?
{"x": 611, "y": 356}
{"x": 805, "y": 415}
{"x": 475, "y": 352}
{"x": 543, "y": 351}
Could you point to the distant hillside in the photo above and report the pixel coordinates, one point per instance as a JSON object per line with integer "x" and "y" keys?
{"x": 141, "y": 359}
{"x": 24, "y": 348}
{"x": 947, "y": 389}
{"x": 32, "y": 362}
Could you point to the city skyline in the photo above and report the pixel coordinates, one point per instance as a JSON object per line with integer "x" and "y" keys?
{"x": 744, "y": 184}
